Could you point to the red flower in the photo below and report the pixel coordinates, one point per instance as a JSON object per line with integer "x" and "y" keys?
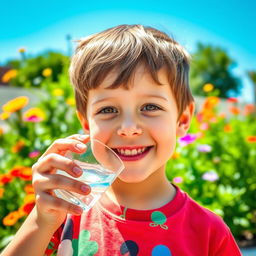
{"x": 5, "y": 178}
{"x": 232, "y": 100}
{"x": 22, "y": 172}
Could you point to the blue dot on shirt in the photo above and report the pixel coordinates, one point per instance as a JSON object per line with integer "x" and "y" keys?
{"x": 161, "y": 250}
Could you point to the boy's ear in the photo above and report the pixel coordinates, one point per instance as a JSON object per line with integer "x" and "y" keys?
{"x": 184, "y": 121}
{"x": 83, "y": 121}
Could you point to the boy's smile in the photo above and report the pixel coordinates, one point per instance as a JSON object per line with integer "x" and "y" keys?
{"x": 132, "y": 153}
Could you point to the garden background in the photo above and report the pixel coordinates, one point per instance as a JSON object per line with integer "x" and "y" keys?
{"x": 214, "y": 163}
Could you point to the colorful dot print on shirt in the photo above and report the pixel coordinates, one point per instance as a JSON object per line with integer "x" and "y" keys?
{"x": 158, "y": 219}
{"x": 161, "y": 250}
{"x": 83, "y": 246}
{"x": 130, "y": 247}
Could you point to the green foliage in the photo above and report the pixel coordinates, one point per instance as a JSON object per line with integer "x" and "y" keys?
{"x": 213, "y": 65}
{"x": 30, "y": 69}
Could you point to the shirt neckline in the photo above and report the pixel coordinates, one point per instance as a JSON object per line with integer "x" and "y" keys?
{"x": 121, "y": 213}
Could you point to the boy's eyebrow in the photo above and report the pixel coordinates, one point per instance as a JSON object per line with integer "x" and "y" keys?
{"x": 143, "y": 95}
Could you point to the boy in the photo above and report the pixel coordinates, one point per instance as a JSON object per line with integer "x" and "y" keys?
{"x": 132, "y": 93}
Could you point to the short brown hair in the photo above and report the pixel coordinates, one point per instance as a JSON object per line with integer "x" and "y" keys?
{"x": 122, "y": 49}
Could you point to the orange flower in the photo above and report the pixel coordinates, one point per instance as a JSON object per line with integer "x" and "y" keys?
{"x": 26, "y": 173}
{"x": 4, "y": 115}
{"x": 11, "y": 218}
{"x": 47, "y": 72}
{"x": 34, "y": 115}
{"x": 1, "y": 131}
{"x": 1, "y": 192}
{"x": 15, "y": 104}
{"x": 9, "y": 75}
{"x": 251, "y": 139}
{"x": 29, "y": 189}
{"x": 18, "y": 146}
{"x": 249, "y": 109}
{"x": 227, "y": 128}
{"x": 211, "y": 102}
{"x": 208, "y": 87}
{"x": 234, "y": 110}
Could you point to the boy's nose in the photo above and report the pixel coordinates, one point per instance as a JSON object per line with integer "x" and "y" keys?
{"x": 129, "y": 129}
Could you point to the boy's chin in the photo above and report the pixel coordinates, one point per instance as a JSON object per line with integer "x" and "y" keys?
{"x": 130, "y": 177}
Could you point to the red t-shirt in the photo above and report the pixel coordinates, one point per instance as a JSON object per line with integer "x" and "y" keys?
{"x": 181, "y": 227}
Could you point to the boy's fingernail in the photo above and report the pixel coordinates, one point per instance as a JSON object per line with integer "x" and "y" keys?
{"x": 77, "y": 170}
{"x": 80, "y": 146}
{"x": 85, "y": 188}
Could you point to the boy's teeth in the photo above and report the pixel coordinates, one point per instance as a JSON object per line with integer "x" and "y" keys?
{"x": 133, "y": 152}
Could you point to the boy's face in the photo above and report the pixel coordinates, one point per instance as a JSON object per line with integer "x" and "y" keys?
{"x": 140, "y": 124}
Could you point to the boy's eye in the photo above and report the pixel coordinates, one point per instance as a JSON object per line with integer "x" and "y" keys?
{"x": 150, "y": 107}
{"x": 108, "y": 110}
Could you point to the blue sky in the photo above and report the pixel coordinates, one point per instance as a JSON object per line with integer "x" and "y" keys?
{"x": 42, "y": 25}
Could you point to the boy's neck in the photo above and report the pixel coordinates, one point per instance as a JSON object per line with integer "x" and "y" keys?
{"x": 149, "y": 194}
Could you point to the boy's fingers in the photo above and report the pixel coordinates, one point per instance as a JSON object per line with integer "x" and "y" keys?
{"x": 60, "y": 146}
{"x": 53, "y": 203}
{"x": 54, "y": 161}
{"x": 57, "y": 181}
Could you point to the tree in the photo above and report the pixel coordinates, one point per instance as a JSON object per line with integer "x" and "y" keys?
{"x": 212, "y": 65}
{"x": 252, "y": 75}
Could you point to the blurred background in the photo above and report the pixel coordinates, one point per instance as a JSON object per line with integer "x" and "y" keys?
{"x": 214, "y": 163}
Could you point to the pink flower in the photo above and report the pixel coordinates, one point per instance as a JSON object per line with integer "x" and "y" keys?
{"x": 34, "y": 154}
{"x": 187, "y": 139}
{"x": 204, "y": 126}
{"x": 178, "y": 180}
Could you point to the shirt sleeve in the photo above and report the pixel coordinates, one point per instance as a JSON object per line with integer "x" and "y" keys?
{"x": 225, "y": 243}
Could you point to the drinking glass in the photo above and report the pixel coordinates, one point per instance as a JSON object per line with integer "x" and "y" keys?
{"x": 100, "y": 165}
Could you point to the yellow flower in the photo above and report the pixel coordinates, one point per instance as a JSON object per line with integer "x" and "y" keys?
{"x": 29, "y": 198}
{"x": 11, "y": 218}
{"x": 9, "y": 75}
{"x": 47, "y": 72}
{"x": 34, "y": 115}
{"x": 208, "y": 87}
{"x": 58, "y": 92}
{"x": 70, "y": 101}
{"x": 4, "y": 115}
{"x": 18, "y": 146}
{"x": 175, "y": 155}
{"x": 15, "y": 104}
{"x": 22, "y": 49}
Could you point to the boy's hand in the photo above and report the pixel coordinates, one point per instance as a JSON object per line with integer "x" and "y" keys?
{"x": 50, "y": 208}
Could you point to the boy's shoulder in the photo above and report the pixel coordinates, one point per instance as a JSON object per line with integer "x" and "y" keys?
{"x": 201, "y": 216}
